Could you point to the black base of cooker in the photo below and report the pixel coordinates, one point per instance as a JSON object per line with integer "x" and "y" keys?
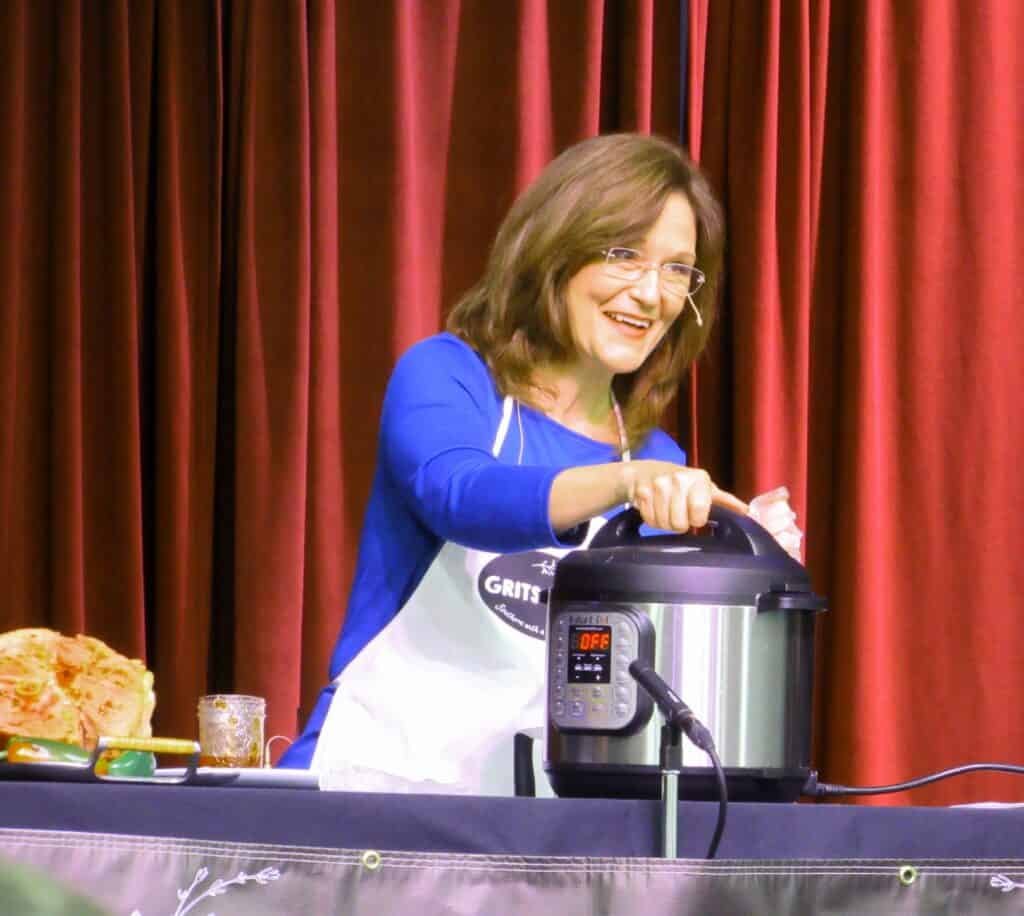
{"x": 695, "y": 783}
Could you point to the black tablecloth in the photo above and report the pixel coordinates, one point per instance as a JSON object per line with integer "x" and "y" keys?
{"x": 511, "y": 826}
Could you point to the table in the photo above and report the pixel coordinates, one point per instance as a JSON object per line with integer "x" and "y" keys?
{"x": 361, "y": 852}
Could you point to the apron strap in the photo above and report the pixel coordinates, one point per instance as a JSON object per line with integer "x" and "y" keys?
{"x": 506, "y": 418}
{"x": 511, "y": 403}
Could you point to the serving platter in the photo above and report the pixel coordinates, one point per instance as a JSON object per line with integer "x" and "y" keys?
{"x": 90, "y": 771}
{"x": 245, "y": 777}
{"x": 189, "y": 775}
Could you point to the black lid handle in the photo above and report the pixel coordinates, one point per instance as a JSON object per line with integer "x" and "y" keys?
{"x": 726, "y": 529}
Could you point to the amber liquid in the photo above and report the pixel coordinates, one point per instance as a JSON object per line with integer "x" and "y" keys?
{"x": 230, "y": 760}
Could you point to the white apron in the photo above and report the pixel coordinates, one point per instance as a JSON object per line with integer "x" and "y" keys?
{"x": 433, "y": 701}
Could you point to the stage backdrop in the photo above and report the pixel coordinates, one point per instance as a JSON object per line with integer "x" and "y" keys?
{"x": 223, "y": 221}
{"x": 869, "y": 154}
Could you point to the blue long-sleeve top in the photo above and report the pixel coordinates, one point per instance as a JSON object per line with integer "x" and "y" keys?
{"x": 436, "y": 481}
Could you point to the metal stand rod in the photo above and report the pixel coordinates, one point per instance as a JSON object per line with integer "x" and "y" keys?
{"x": 669, "y": 814}
{"x": 671, "y": 759}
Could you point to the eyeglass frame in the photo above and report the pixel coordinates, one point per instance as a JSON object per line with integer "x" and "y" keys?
{"x": 697, "y": 276}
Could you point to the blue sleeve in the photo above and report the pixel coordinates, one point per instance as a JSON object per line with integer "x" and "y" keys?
{"x": 660, "y": 446}
{"x": 441, "y": 414}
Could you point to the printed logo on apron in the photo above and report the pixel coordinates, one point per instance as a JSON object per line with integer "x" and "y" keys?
{"x": 514, "y": 586}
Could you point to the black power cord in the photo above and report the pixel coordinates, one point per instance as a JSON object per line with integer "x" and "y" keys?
{"x": 679, "y": 715}
{"x": 723, "y": 802}
{"x": 814, "y": 789}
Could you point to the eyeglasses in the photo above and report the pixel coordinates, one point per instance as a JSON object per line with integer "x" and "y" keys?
{"x": 675, "y": 277}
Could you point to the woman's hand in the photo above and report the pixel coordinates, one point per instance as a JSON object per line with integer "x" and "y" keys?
{"x": 676, "y": 498}
{"x": 773, "y": 512}
{"x": 670, "y": 497}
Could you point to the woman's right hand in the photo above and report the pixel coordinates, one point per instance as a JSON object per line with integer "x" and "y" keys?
{"x": 673, "y": 497}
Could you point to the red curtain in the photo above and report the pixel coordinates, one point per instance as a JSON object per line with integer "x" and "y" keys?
{"x": 223, "y": 222}
{"x": 869, "y": 155}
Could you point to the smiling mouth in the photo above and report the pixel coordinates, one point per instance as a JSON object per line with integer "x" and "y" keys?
{"x": 629, "y": 321}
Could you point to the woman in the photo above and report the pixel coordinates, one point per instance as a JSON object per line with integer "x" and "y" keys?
{"x": 506, "y": 442}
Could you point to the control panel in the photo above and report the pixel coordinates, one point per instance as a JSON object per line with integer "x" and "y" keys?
{"x": 590, "y": 648}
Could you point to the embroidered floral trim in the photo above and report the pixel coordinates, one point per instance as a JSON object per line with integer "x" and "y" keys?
{"x": 217, "y": 888}
{"x": 1005, "y": 884}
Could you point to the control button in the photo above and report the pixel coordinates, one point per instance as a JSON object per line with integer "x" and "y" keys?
{"x": 622, "y": 694}
{"x": 559, "y": 708}
{"x": 575, "y": 691}
{"x": 621, "y": 710}
{"x": 597, "y": 692}
{"x": 576, "y": 709}
{"x": 598, "y": 709}
{"x": 559, "y": 690}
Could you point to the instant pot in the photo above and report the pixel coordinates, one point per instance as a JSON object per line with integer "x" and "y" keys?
{"x": 726, "y": 617}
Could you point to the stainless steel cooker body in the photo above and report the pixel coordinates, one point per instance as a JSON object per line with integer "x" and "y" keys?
{"x": 747, "y": 675}
{"x": 728, "y": 621}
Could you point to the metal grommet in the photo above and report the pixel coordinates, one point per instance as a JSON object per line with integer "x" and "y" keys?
{"x": 908, "y": 875}
{"x": 371, "y": 859}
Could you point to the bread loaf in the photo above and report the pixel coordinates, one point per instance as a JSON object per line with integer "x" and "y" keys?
{"x": 71, "y": 688}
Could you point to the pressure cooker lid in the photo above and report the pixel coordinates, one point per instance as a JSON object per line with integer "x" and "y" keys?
{"x": 734, "y": 561}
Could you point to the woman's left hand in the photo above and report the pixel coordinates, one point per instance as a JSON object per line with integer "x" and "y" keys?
{"x": 773, "y": 512}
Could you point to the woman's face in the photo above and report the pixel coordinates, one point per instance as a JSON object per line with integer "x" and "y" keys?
{"x": 617, "y": 324}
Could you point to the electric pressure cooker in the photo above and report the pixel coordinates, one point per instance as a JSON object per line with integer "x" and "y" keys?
{"x": 727, "y": 618}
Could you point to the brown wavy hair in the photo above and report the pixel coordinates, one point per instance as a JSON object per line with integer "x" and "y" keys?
{"x": 602, "y": 192}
